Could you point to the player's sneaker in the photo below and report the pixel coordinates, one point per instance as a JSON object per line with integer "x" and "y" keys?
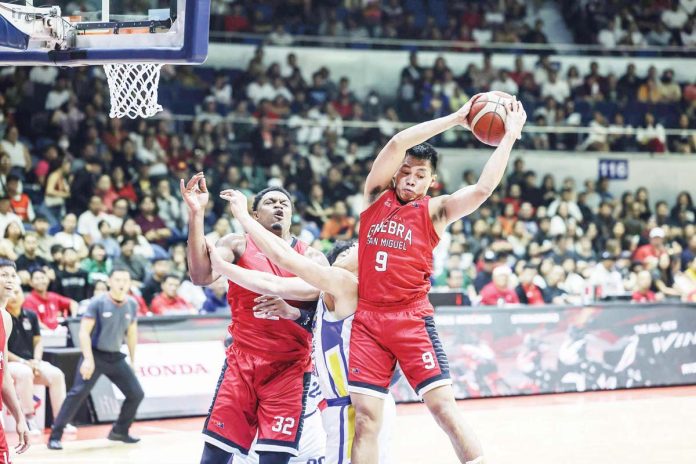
{"x": 54, "y": 444}
{"x": 70, "y": 429}
{"x": 124, "y": 437}
{"x": 34, "y": 429}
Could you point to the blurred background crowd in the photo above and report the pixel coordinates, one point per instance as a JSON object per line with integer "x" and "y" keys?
{"x": 659, "y": 23}
{"x": 81, "y": 193}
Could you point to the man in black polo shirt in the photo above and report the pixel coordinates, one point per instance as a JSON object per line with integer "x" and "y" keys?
{"x": 25, "y": 353}
{"x": 71, "y": 281}
{"x": 31, "y": 259}
{"x": 108, "y": 319}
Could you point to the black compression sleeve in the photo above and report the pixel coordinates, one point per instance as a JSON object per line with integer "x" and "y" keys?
{"x": 306, "y": 319}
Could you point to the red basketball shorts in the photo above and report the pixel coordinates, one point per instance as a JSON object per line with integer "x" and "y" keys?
{"x": 258, "y": 395}
{"x": 381, "y": 337}
{"x": 4, "y": 450}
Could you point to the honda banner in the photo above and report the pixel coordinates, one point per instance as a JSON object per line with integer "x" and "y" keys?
{"x": 178, "y": 363}
{"x": 491, "y": 352}
{"x": 529, "y": 350}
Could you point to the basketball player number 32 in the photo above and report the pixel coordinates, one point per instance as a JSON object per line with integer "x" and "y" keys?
{"x": 381, "y": 259}
{"x": 283, "y": 425}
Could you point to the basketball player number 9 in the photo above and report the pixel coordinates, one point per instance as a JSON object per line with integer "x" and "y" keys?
{"x": 428, "y": 360}
{"x": 381, "y": 259}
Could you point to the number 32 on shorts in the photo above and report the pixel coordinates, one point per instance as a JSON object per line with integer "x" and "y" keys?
{"x": 283, "y": 425}
{"x": 381, "y": 260}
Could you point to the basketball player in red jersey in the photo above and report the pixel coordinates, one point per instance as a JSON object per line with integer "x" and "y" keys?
{"x": 399, "y": 228}
{"x": 264, "y": 383}
{"x": 8, "y": 282}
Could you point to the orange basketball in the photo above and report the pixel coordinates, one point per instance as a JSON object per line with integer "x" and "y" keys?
{"x": 487, "y": 117}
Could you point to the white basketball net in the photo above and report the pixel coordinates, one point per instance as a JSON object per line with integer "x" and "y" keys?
{"x": 133, "y": 89}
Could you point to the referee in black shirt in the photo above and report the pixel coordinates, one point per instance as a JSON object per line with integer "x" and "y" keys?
{"x": 108, "y": 318}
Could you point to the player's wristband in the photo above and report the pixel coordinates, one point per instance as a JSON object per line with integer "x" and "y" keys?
{"x": 305, "y": 319}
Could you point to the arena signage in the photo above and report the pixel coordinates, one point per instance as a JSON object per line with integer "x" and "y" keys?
{"x": 525, "y": 351}
{"x": 613, "y": 169}
{"x": 178, "y": 379}
{"x": 492, "y": 352}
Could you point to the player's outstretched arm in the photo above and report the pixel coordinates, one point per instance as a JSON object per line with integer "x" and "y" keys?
{"x": 446, "y": 209}
{"x": 312, "y": 268}
{"x": 195, "y": 195}
{"x": 392, "y": 155}
{"x": 291, "y": 288}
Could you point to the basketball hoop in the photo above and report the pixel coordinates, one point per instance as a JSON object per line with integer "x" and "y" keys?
{"x": 135, "y": 43}
{"x": 133, "y": 89}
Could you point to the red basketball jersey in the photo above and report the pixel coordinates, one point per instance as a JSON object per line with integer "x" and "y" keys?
{"x": 282, "y": 339}
{"x": 395, "y": 251}
{"x": 4, "y": 449}
{"x": 3, "y": 357}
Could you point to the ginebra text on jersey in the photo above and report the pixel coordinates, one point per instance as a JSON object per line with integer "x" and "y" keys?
{"x": 400, "y": 235}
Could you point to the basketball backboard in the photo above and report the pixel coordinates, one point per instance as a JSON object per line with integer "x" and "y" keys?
{"x": 91, "y": 32}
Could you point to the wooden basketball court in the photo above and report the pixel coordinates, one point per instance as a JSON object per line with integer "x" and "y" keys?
{"x": 648, "y": 426}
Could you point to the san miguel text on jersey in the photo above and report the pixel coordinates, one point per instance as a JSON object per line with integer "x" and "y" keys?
{"x": 399, "y": 237}
{"x": 395, "y": 250}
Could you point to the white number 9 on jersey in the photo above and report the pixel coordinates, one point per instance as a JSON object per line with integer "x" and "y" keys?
{"x": 428, "y": 360}
{"x": 381, "y": 259}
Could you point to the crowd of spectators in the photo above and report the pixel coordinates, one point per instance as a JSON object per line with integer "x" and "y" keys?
{"x": 608, "y": 23}
{"x": 477, "y": 22}
{"x": 553, "y": 241}
{"x": 270, "y": 105}
{"x": 627, "y": 112}
{"x": 611, "y": 23}
{"x": 81, "y": 194}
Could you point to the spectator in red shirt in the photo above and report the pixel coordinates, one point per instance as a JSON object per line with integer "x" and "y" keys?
{"x": 21, "y": 203}
{"x": 514, "y": 197}
{"x": 237, "y": 21}
{"x": 643, "y": 294}
{"x": 343, "y": 106}
{"x": 120, "y": 188}
{"x": 527, "y": 292}
{"x": 497, "y": 292}
{"x": 49, "y": 306}
{"x": 142, "y": 306}
{"x": 168, "y": 302}
{"x": 519, "y": 72}
{"x": 177, "y": 153}
{"x": 655, "y": 248}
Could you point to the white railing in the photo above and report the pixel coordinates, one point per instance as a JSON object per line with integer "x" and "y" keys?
{"x": 456, "y": 45}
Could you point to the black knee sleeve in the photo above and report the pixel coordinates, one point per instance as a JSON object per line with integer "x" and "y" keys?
{"x": 214, "y": 455}
{"x": 267, "y": 457}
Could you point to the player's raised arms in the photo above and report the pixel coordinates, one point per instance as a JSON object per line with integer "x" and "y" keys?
{"x": 337, "y": 281}
{"x": 290, "y": 288}
{"x": 445, "y": 209}
{"x": 392, "y": 155}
